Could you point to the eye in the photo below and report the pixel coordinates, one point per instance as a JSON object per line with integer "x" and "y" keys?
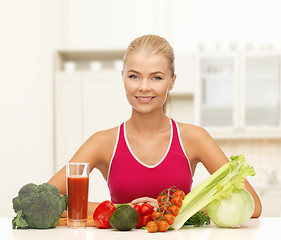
{"x": 157, "y": 78}
{"x": 133, "y": 76}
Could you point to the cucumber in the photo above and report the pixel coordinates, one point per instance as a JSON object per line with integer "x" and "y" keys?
{"x": 124, "y": 218}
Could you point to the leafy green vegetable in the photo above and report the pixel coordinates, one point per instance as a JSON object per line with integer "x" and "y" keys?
{"x": 219, "y": 185}
{"x": 232, "y": 211}
{"x": 38, "y": 206}
{"x": 198, "y": 219}
{"x": 19, "y": 221}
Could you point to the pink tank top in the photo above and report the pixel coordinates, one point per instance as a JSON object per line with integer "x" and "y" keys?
{"x": 129, "y": 178}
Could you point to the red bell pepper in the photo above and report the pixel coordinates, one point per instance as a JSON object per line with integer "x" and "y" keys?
{"x": 103, "y": 213}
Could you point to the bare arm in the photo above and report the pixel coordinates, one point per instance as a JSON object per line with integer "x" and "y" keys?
{"x": 92, "y": 151}
{"x": 204, "y": 149}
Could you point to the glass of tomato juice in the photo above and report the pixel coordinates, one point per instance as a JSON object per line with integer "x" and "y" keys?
{"x": 77, "y": 194}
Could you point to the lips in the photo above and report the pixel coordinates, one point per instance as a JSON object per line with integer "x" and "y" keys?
{"x": 144, "y": 99}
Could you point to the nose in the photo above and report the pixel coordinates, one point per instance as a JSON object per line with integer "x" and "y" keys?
{"x": 144, "y": 85}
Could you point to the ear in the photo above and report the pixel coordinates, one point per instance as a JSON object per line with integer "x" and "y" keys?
{"x": 172, "y": 82}
{"x": 122, "y": 75}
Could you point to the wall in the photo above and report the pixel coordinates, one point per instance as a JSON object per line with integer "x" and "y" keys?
{"x": 185, "y": 23}
{"x": 31, "y": 30}
{"x": 112, "y": 24}
{"x": 263, "y": 154}
{"x": 29, "y": 33}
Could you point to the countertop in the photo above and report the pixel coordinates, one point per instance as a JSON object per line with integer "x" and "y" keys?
{"x": 261, "y": 228}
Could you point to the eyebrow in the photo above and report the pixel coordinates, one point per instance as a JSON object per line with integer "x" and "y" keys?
{"x": 132, "y": 70}
{"x": 157, "y": 72}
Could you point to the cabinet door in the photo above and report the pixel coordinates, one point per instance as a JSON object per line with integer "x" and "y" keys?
{"x": 261, "y": 90}
{"x": 68, "y": 116}
{"x": 217, "y": 84}
{"x": 184, "y": 69}
{"x": 104, "y": 101}
{"x": 104, "y": 106}
{"x": 270, "y": 199}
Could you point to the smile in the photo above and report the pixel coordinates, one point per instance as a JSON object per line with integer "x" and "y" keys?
{"x": 143, "y": 99}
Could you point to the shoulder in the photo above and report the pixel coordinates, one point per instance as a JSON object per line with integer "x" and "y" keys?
{"x": 196, "y": 140}
{"x": 192, "y": 132}
{"x": 101, "y": 144}
{"x": 104, "y": 137}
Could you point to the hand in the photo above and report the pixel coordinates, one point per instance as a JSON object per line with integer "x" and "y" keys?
{"x": 153, "y": 202}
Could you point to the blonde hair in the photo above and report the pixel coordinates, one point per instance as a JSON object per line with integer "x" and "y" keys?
{"x": 153, "y": 44}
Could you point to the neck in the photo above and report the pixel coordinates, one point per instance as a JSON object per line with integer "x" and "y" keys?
{"x": 149, "y": 123}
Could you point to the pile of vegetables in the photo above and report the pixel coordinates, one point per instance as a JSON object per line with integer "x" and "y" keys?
{"x": 223, "y": 195}
{"x": 122, "y": 217}
{"x": 169, "y": 203}
{"x": 38, "y": 206}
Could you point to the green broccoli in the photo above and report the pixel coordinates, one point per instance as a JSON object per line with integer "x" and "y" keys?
{"x": 38, "y": 206}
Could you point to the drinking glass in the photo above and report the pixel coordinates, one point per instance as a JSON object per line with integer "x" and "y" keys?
{"x": 77, "y": 194}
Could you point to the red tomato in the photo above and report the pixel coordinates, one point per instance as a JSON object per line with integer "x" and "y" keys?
{"x": 164, "y": 207}
{"x": 174, "y": 210}
{"x": 165, "y": 202}
{"x": 163, "y": 226}
{"x": 155, "y": 215}
{"x": 161, "y": 198}
{"x": 177, "y": 200}
{"x": 139, "y": 224}
{"x": 146, "y": 208}
{"x": 169, "y": 218}
{"x": 152, "y": 227}
{"x": 137, "y": 207}
{"x": 179, "y": 193}
{"x": 145, "y": 219}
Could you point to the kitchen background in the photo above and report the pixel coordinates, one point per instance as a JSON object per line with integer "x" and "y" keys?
{"x": 60, "y": 78}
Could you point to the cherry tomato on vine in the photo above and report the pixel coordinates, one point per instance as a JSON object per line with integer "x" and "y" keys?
{"x": 152, "y": 227}
{"x": 177, "y": 200}
{"x": 163, "y": 226}
{"x": 163, "y": 203}
{"x": 155, "y": 215}
{"x": 169, "y": 218}
{"x": 164, "y": 208}
{"x": 179, "y": 193}
{"x": 161, "y": 198}
{"x": 174, "y": 210}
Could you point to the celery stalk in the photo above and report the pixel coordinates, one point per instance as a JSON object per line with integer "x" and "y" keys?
{"x": 220, "y": 184}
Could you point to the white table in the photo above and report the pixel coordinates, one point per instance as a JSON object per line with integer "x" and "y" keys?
{"x": 262, "y": 228}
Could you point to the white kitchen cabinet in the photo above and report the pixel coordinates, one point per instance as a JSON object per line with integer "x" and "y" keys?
{"x": 184, "y": 69}
{"x": 89, "y": 97}
{"x": 216, "y": 92}
{"x": 68, "y": 112}
{"x": 104, "y": 101}
{"x": 270, "y": 197}
{"x": 87, "y": 102}
{"x": 239, "y": 94}
{"x": 261, "y": 90}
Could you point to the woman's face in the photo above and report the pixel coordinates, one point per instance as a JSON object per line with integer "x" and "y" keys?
{"x": 147, "y": 81}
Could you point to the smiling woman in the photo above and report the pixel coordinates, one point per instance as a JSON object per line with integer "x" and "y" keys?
{"x": 147, "y": 80}
{"x": 149, "y": 152}
{"x": 152, "y": 45}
